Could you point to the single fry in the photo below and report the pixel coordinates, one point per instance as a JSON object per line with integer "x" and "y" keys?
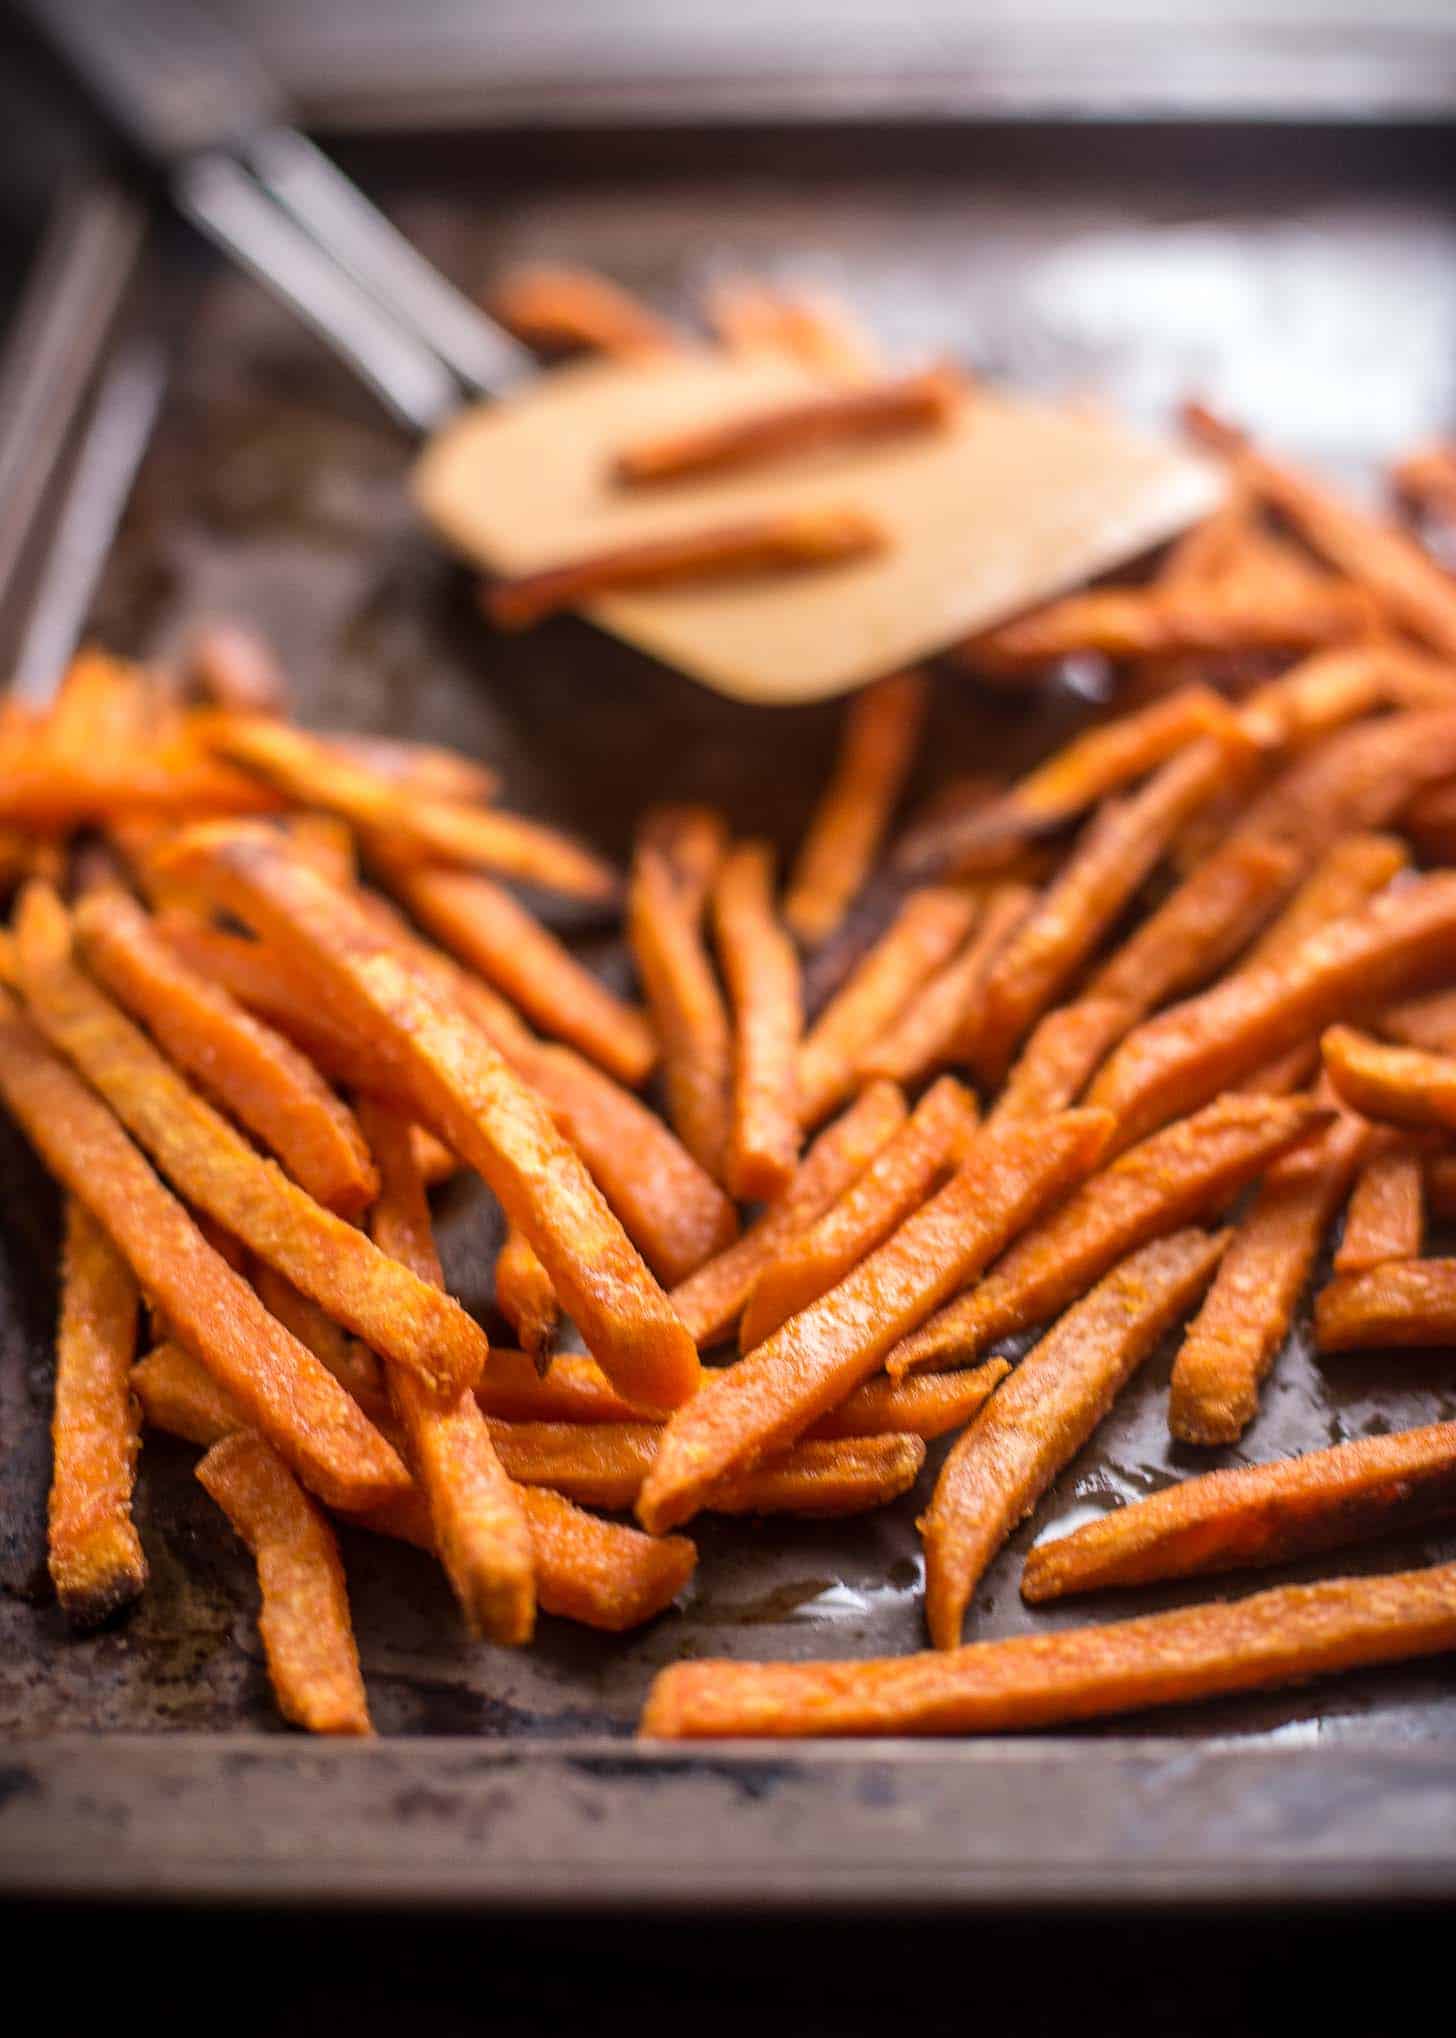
{"x": 898, "y": 407}
{"x": 555, "y": 307}
{"x": 1175, "y": 1062}
{"x": 282, "y": 1389}
{"x": 882, "y": 728}
{"x": 1255, "y": 1515}
{"x": 308, "y": 1637}
{"x": 605, "y": 1464}
{"x": 573, "y": 1388}
{"x": 466, "y": 1092}
{"x": 1285, "y": 1636}
{"x": 1352, "y": 872}
{"x": 925, "y": 933}
{"x": 711, "y": 1300}
{"x": 792, "y": 541}
{"x": 1402, "y": 1302}
{"x": 1245, "y": 1318}
{"x": 1180, "y": 1176}
{"x": 1038, "y": 1421}
{"x": 1058, "y": 1060}
{"x": 744, "y": 1413}
{"x": 96, "y": 1560}
{"x": 233, "y": 667}
{"x": 423, "y": 827}
{"x": 935, "y": 1138}
{"x": 477, "y": 920}
{"x": 397, "y": 1314}
{"x": 433, "y": 1158}
{"x": 264, "y": 1082}
{"x": 930, "y": 1406}
{"x": 1386, "y": 1217}
{"x": 664, "y": 930}
{"x": 762, "y": 974}
{"x": 943, "y": 1021}
{"x": 525, "y": 1297}
{"x": 1396, "y": 1085}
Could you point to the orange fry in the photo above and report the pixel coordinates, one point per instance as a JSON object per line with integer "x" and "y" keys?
{"x": 282, "y": 1389}
{"x": 1352, "y": 872}
{"x": 1254, "y": 1515}
{"x": 935, "y": 1138}
{"x": 1280, "y": 1637}
{"x": 897, "y": 407}
{"x": 1402, "y": 1302}
{"x": 262, "y": 1081}
{"x": 103, "y": 705}
{"x": 1396, "y": 1085}
{"x": 929, "y": 927}
{"x": 664, "y": 930}
{"x": 96, "y": 1560}
{"x": 605, "y": 1464}
{"x": 943, "y": 1021}
{"x": 762, "y": 974}
{"x": 692, "y": 841}
{"x": 555, "y": 307}
{"x": 1173, "y": 1063}
{"x": 419, "y": 826}
{"x": 1180, "y": 1176}
{"x": 881, "y": 732}
{"x": 424, "y": 768}
{"x": 1245, "y": 1319}
{"x": 790, "y": 541}
{"x": 525, "y": 1297}
{"x": 466, "y": 1092}
{"x": 352, "y": 1364}
{"x": 1038, "y": 1421}
{"x": 477, "y": 1523}
{"x": 745, "y": 1412}
{"x": 1386, "y": 1218}
{"x": 216, "y": 1169}
{"x": 930, "y": 1406}
{"x": 1359, "y": 778}
{"x": 573, "y": 1388}
{"x": 711, "y": 1300}
{"x": 235, "y": 668}
{"x": 308, "y": 1637}
{"x": 478, "y": 920}
{"x": 1059, "y": 1058}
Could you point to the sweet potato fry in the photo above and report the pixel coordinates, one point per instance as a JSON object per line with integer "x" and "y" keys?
{"x": 605, "y": 1464}
{"x": 1115, "y": 855}
{"x": 572, "y": 1389}
{"x": 478, "y": 920}
{"x": 1245, "y": 1318}
{"x": 925, "y": 933}
{"x": 664, "y": 929}
{"x": 525, "y": 1297}
{"x": 352, "y": 1364}
{"x": 479, "y": 1529}
{"x": 308, "y": 1637}
{"x": 179, "y": 1395}
{"x": 96, "y": 1560}
{"x": 762, "y": 974}
{"x": 1158, "y": 621}
{"x": 1320, "y": 695}
{"x": 1180, "y": 1176}
{"x": 553, "y": 307}
{"x": 1402, "y": 1302}
{"x": 999, "y": 1469}
{"x": 882, "y": 727}
{"x": 282, "y": 1389}
{"x": 1395, "y": 1085}
{"x": 266, "y": 1084}
{"x": 1386, "y": 1217}
{"x": 435, "y": 1161}
{"x": 772, "y": 1396}
{"x": 791, "y": 541}
{"x": 235, "y": 668}
{"x": 400, "y": 1316}
{"x": 934, "y": 1139}
{"x": 711, "y": 1300}
{"x": 1349, "y": 875}
{"x": 692, "y": 841}
{"x": 897, "y": 407}
{"x": 103, "y": 705}
{"x": 1174, "y": 1062}
{"x": 1256, "y": 1515}
{"x": 1377, "y": 555}
{"x": 422, "y": 826}
{"x": 425, "y": 768}
{"x": 943, "y": 1021}
{"x": 466, "y": 1092}
{"x": 167, "y": 775}
{"x": 1359, "y": 778}
{"x": 930, "y": 1406}
{"x": 1428, "y": 1022}
{"x": 1058, "y": 1060}
{"x": 1284, "y": 1636}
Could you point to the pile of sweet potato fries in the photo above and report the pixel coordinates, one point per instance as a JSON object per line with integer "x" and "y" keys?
{"x": 1126, "y": 1042}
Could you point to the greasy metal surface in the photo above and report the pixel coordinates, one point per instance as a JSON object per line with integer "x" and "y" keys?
{"x": 273, "y": 492}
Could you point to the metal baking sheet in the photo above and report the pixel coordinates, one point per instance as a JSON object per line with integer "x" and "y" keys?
{"x": 148, "y": 1759}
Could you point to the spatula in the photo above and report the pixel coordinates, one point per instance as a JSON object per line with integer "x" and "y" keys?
{"x": 1010, "y": 503}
